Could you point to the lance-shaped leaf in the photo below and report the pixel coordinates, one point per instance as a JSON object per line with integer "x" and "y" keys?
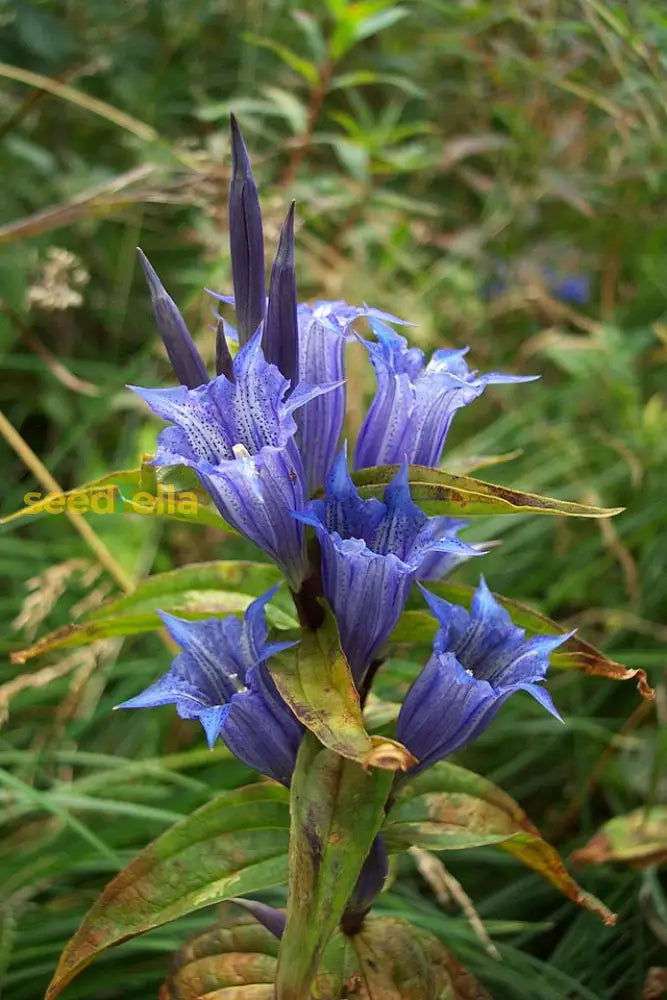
{"x": 185, "y": 359}
{"x": 195, "y": 592}
{"x": 397, "y": 961}
{"x": 188, "y": 588}
{"x": 131, "y": 492}
{"x": 235, "y": 844}
{"x": 246, "y": 240}
{"x": 280, "y": 340}
{"x": 118, "y": 626}
{"x": 418, "y": 628}
{"x": 438, "y": 492}
{"x": 450, "y": 808}
{"x": 638, "y": 839}
{"x": 314, "y": 679}
{"x": 336, "y": 810}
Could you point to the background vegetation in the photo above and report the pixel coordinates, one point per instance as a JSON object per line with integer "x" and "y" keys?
{"x": 492, "y": 171}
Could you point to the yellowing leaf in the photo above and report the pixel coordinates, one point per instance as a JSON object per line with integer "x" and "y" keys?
{"x": 314, "y": 679}
{"x": 450, "y": 808}
{"x": 638, "y": 839}
{"x": 438, "y": 492}
{"x": 397, "y": 961}
{"x": 235, "y": 844}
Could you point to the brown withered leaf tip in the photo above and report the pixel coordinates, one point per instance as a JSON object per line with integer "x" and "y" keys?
{"x": 389, "y": 755}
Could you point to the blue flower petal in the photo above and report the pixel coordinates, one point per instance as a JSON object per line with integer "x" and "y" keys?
{"x": 415, "y": 401}
{"x": 372, "y": 552}
{"x": 238, "y": 436}
{"x": 220, "y": 678}
{"x": 480, "y": 658}
{"x": 324, "y": 329}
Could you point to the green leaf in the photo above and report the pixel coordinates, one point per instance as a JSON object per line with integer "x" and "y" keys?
{"x": 638, "y": 839}
{"x": 235, "y": 844}
{"x": 173, "y": 493}
{"x": 201, "y": 590}
{"x": 307, "y": 70}
{"x": 315, "y": 680}
{"x": 450, "y": 808}
{"x": 419, "y": 628}
{"x": 360, "y": 20}
{"x": 72, "y": 636}
{"x": 397, "y": 961}
{"x": 196, "y": 586}
{"x": 438, "y": 492}
{"x": 336, "y": 810}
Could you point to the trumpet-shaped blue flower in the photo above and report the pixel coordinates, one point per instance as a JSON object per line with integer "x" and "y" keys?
{"x": 479, "y": 659}
{"x": 371, "y": 554}
{"x": 324, "y": 329}
{"x": 238, "y": 436}
{"x": 415, "y": 401}
{"x": 221, "y": 678}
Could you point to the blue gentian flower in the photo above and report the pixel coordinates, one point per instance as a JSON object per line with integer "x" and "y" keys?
{"x": 324, "y": 329}
{"x": 371, "y": 554}
{"x": 415, "y": 401}
{"x": 574, "y": 288}
{"x": 479, "y": 659}
{"x": 221, "y": 678}
{"x": 238, "y": 436}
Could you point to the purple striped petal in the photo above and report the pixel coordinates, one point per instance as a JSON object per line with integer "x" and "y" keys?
{"x": 415, "y": 402}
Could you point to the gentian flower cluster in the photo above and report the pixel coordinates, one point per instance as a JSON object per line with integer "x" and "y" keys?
{"x": 264, "y": 437}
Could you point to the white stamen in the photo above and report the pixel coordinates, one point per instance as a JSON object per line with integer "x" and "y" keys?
{"x": 240, "y": 451}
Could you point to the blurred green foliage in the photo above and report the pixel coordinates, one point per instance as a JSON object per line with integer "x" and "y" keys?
{"x": 452, "y": 161}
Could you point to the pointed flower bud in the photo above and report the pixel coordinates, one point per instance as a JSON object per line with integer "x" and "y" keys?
{"x": 281, "y": 332}
{"x": 184, "y": 356}
{"x": 415, "y": 401}
{"x": 246, "y": 240}
{"x": 372, "y": 552}
{"x": 480, "y": 658}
